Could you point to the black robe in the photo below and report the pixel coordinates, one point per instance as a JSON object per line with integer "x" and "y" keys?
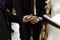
{"x": 4, "y": 17}
{"x": 23, "y": 7}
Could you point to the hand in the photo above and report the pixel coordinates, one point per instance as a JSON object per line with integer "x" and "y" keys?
{"x": 33, "y": 21}
{"x": 36, "y": 20}
{"x": 25, "y": 19}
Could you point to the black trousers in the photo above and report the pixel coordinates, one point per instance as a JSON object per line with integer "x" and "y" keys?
{"x": 25, "y": 31}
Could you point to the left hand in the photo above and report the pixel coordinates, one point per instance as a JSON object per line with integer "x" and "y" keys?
{"x": 34, "y": 21}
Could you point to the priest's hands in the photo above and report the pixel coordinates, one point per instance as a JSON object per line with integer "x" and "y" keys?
{"x": 32, "y": 20}
{"x": 26, "y": 18}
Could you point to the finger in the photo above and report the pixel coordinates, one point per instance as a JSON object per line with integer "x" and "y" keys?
{"x": 24, "y": 20}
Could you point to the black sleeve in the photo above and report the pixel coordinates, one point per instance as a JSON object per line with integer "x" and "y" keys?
{"x": 13, "y": 18}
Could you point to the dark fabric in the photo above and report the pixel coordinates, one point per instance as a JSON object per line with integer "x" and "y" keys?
{"x": 3, "y": 24}
{"x": 28, "y": 30}
{"x": 3, "y": 28}
{"x": 5, "y": 16}
{"x": 23, "y": 7}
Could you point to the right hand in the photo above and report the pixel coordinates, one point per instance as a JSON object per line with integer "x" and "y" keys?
{"x": 25, "y": 18}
